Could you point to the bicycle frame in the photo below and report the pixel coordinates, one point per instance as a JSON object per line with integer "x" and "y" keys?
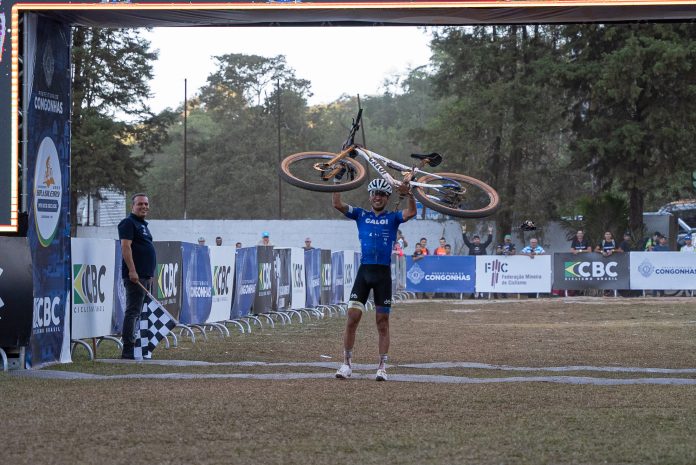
{"x": 378, "y": 162}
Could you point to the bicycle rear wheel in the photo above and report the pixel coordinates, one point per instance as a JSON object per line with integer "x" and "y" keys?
{"x": 299, "y": 170}
{"x": 457, "y": 195}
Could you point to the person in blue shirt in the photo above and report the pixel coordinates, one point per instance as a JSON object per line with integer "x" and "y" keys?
{"x": 138, "y": 266}
{"x": 533, "y": 248}
{"x": 377, "y": 229}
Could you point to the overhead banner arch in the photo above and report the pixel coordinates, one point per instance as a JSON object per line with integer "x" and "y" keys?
{"x": 152, "y": 13}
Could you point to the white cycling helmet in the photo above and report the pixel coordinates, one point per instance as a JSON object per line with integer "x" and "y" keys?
{"x": 379, "y": 185}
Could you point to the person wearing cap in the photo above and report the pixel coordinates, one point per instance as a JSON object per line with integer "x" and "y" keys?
{"x": 265, "y": 239}
{"x": 308, "y": 243}
{"x": 201, "y": 240}
{"x": 377, "y": 229}
{"x": 507, "y": 247}
{"x": 475, "y": 246}
{"x": 688, "y": 246}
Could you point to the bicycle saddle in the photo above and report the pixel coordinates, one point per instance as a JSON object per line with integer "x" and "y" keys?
{"x": 434, "y": 158}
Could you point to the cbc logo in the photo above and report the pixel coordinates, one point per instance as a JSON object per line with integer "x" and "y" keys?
{"x": 591, "y": 270}
{"x": 221, "y": 278}
{"x": 166, "y": 280}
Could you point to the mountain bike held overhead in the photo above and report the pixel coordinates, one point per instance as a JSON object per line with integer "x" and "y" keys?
{"x": 448, "y": 193}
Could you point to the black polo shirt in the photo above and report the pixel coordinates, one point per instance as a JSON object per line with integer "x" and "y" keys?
{"x": 144, "y": 258}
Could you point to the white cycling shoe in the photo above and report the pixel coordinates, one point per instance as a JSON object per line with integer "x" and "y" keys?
{"x": 381, "y": 374}
{"x": 344, "y": 372}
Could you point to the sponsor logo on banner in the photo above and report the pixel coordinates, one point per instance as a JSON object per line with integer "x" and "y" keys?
{"x": 647, "y": 269}
{"x": 590, "y": 271}
{"x": 200, "y": 290}
{"x": 45, "y": 318}
{"x": 326, "y": 274}
{"x": 348, "y": 273}
{"x": 415, "y": 274}
{"x": 47, "y": 192}
{"x": 89, "y": 287}
{"x": 495, "y": 268}
{"x": 298, "y": 275}
{"x": 264, "y": 276}
{"x": 167, "y": 289}
{"x": 221, "y": 276}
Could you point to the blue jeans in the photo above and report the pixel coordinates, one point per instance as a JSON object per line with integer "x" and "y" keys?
{"x": 135, "y": 297}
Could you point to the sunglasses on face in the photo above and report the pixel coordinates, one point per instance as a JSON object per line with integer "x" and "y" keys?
{"x": 379, "y": 194}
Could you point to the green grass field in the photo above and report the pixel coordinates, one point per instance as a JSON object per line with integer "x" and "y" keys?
{"x": 322, "y": 420}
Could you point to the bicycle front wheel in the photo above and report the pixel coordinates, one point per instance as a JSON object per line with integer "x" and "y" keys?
{"x": 305, "y": 169}
{"x": 457, "y": 195}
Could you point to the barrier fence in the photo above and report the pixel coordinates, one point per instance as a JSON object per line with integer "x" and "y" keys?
{"x": 202, "y": 285}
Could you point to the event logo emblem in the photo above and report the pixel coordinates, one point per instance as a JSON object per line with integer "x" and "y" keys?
{"x": 87, "y": 284}
{"x": 221, "y": 276}
{"x": 48, "y": 192}
{"x": 49, "y": 64}
{"x": 348, "y": 273}
{"x": 646, "y": 269}
{"x": 415, "y": 274}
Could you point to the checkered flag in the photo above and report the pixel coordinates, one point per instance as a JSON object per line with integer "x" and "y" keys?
{"x": 155, "y": 324}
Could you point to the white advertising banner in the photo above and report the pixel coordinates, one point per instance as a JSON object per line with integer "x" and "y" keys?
{"x": 222, "y": 267}
{"x": 349, "y": 273}
{"x": 517, "y": 274}
{"x": 299, "y": 292}
{"x": 92, "y": 274}
{"x": 663, "y": 270}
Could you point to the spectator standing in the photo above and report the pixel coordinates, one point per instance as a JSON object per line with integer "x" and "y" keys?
{"x": 533, "y": 248}
{"x": 448, "y": 249}
{"x": 476, "y": 247}
{"x": 506, "y": 247}
{"x": 201, "y": 240}
{"x": 424, "y": 246}
{"x": 401, "y": 240}
{"x": 238, "y": 245}
{"x": 688, "y": 246}
{"x": 265, "y": 239}
{"x": 441, "y": 249}
{"x": 308, "y": 244}
{"x": 661, "y": 245}
{"x": 218, "y": 241}
{"x": 418, "y": 253}
{"x": 625, "y": 245}
{"x": 580, "y": 243}
{"x": 607, "y": 246}
{"x": 137, "y": 267}
{"x": 652, "y": 241}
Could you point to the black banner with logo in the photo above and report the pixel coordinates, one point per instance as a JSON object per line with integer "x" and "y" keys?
{"x": 263, "y": 302}
{"x": 325, "y": 295}
{"x": 168, "y": 276}
{"x": 282, "y": 286}
{"x": 16, "y": 292}
{"x": 590, "y": 271}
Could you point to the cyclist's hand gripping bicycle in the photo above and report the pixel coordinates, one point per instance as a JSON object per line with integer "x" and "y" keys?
{"x": 448, "y": 193}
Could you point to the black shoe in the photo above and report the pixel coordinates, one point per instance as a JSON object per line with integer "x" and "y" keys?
{"x": 127, "y": 357}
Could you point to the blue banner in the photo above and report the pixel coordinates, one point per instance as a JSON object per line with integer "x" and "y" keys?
{"x": 263, "y": 301}
{"x": 245, "y": 280}
{"x": 119, "y": 309}
{"x": 337, "y": 277}
{"x": 198, "y": 284}
{"x": 47, "y": 132}
{"x": 452, "y": 273}
{"x": 313, "y": 277}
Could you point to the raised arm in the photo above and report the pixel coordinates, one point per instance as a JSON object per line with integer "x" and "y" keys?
{"x": 338, "y": 203}
{"x": 410, "y": 210}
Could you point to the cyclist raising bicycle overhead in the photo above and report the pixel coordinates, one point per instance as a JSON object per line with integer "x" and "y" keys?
{"x": 377, "y": 232}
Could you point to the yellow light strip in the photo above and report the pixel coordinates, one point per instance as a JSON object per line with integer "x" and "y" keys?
{"x": 14, "y": 131}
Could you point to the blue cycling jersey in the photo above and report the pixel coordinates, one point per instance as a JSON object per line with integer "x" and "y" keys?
{"x": 377, "y": 234}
